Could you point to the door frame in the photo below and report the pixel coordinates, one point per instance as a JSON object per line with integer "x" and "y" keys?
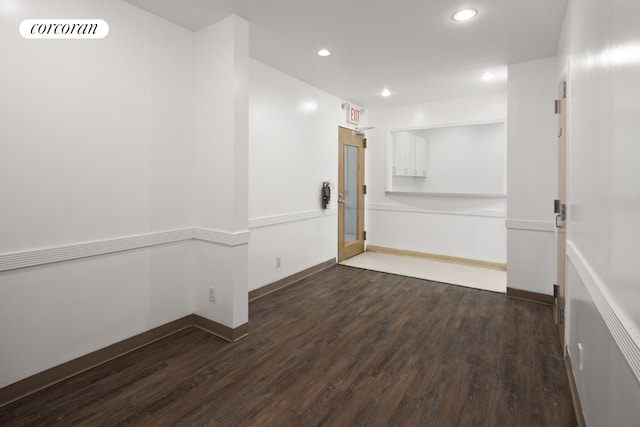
{"x": 349, "y": 137}
{"x": 560, "y": 209}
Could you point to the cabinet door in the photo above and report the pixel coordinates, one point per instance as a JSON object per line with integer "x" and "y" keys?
{"x": 403, "y": 154}
{"x": 421, "y": 156}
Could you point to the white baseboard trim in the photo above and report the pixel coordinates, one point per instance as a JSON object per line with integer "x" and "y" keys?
{"x": 622, "y": 331}
{"x": 265, "y": 221}
{"x": 33, "y": 258}
{"x": 391, "y": 207}
{"x": 529, "y": 225}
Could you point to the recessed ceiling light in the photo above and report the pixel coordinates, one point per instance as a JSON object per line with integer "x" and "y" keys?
{"x": 488, "y": 76}
{"x": 464, "y": 15}
{"x": 324, "y": 52}
{"x": 385, "y": 93}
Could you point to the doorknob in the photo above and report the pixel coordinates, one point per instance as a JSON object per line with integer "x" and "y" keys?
{"x": 340, "y": 198}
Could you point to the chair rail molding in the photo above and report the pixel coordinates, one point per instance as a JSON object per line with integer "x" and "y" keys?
{"x": 32, "y": 258}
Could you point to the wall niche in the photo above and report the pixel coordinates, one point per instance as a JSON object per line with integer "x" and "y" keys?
{"x": 465, "y": 160}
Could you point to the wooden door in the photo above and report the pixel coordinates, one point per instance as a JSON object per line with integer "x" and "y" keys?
{"x": 560, "y": 208}
{"x": 350, "y": 193}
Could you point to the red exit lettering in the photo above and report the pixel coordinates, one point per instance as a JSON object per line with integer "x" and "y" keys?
{"x": 354, "y": 115}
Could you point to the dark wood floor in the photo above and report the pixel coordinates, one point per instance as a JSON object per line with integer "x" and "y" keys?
{"x": 345, "y": 347}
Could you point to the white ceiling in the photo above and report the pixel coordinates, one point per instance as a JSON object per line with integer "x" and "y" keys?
{"x": 413, "y": 47}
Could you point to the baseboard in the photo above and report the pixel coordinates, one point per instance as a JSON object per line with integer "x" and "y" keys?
{"x": 530, "y": 296}
{"x": 221, "y": 331}
{"x": 290, "y": 280}
{"x": 577, "y": 406}
{"x": 441, "y": 258}
{"x": 51, "y": 376}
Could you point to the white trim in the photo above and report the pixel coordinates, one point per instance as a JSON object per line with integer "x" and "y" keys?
{"x": 451, "y": 124}
{"x": 529, "y": 225}
{"x": 391, "y": 207}
{"x": 221, "y": 237}
{"x": 32, "y": 258}
{"x": 625, "y": 335}
{"x": 460, "y": 195}
{"x": 265, "y": 221}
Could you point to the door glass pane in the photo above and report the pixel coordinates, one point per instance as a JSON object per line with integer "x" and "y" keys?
{"x": 350, "y": 194}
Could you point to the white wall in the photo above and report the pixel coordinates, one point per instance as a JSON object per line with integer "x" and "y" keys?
{"x": 466, "y": 159}
{"x": 467, "y": 227}
{"x": 115, "y": 168}
{"x": 532, "y": 163}
{"x": 599, "y": 48}
{"x": 293, "y": 134}
{"x": 96, "y": 143}
{"x": 221, "y": 182}
{"x": 96, "y": 140}
{"x": 147, "y": 143}
{"x": 53, "y": 313}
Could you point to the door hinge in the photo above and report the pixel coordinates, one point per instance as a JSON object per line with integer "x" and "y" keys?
{"x": 556, "y": 106}
{"x": 555, "y": 291}
{"x": 564, "y": 89}
{"x": 364, "y": 235}
{"x": 562, "y": 315}
{"x": 364, "y": 142}
{"x": 364, "y": 189}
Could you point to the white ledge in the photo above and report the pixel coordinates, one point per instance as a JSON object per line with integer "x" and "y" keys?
{"x": 392, "y": 207}
{"x": 32, "y": 258}
{"x": 530, "y": 225}
{"x": 434, "y": 194}
{"x": 265, "y": 221}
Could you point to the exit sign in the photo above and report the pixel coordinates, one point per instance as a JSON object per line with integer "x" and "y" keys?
{"x": 353, "y": 115}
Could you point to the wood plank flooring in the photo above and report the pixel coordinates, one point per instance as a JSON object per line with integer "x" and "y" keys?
{"x": 344, "y": 347}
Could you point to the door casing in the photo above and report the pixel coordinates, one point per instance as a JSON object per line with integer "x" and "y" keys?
{"x": 350, "y": 138}
{"x": 561, "y": 225}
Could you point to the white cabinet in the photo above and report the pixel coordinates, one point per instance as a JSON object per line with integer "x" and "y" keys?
{"x": 409, "y": 155}
{"x": 421, "y": 150}
{"x": 402, "y": 142}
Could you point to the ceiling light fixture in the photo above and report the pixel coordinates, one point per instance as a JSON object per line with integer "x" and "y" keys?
{"x": 324, "y": 52}
{"x": 464, "y": 15}
{"x": 385, "y": 93}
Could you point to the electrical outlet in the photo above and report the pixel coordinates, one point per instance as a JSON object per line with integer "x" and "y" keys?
{"x": 278, "y": 262}
{"x": 212, "y": 294}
